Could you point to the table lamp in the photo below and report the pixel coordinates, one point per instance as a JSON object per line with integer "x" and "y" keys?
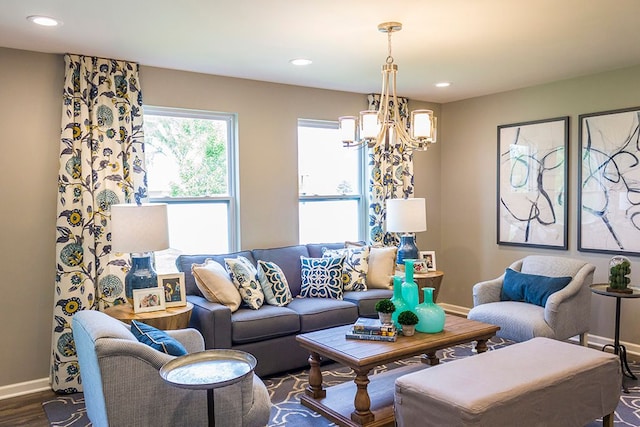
{"x": 139, "y": 230}
{"x": 406, "y": 216}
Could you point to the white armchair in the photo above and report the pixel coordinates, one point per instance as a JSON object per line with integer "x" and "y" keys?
{"x": 565, "y": 314}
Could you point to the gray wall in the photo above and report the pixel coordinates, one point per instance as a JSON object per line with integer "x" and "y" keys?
{"x": 30, "y": 114}
{"x": 469, "y": 252}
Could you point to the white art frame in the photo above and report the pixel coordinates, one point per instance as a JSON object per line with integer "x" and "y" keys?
{"x": 430, "y": 258}
{"x": 148, "y": 299}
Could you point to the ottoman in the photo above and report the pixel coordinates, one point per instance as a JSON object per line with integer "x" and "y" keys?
{"x": 540, "y": 382}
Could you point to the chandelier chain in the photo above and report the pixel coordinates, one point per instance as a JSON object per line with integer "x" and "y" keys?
{"x": 389, "y": 56}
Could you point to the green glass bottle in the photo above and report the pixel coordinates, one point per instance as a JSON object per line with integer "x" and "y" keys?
{"x": 398, "y": 300}
{"x": 409, "y": 287}
{"x": 431, "y": 315}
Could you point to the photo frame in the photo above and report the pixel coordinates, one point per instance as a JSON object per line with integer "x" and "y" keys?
{"x": 609, "y": 182}
{"x": 148, "y": 299}
{"x": 430, "y": 259}
{"x": 174, "y": 289}
{"x": 532, "y": 183}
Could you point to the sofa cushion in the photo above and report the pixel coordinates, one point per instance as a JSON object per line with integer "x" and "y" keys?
{"x": 288, "y": 259}
{"x": 354, "y": 267}
{"x": 184, "y": 262}
{"x": 321, "y": 277}
{"x": 366, "y": 301}
{"x": 274, "y": 283}
{"x": 214, "y": 283}
{"x": 245, "y": 277}
{"x": 258, "y": 325}
{"x": 157, "y": 339}
{"x": 322, "y": 313}
{"x": 382, "y": 267}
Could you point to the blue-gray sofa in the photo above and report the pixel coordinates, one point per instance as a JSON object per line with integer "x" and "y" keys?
{"x": 269, "y": 332}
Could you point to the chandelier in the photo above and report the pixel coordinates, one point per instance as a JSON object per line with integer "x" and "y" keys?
{"x": 376, "y": 128}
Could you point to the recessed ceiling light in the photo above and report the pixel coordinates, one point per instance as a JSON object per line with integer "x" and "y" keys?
{"x": 443, "y": 84}
{"x": 45, "y": 21}
{"x": 301, "y": 61}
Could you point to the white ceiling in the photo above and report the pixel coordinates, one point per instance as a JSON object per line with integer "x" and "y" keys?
{"x": 481, "y": 46}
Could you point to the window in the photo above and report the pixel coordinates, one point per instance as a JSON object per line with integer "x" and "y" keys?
{"x": 331, "y": 190}
{"x": 190, "y": 159}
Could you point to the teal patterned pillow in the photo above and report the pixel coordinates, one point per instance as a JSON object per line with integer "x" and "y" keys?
{"x": 321, "y": 277}
{"x": 274, "y": 284}
{"x": 245, "y": 277}
{"x": 354, "y": 268}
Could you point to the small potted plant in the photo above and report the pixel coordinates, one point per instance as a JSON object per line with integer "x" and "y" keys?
{"x": 408, "y": 319}
{"x": 385, "y": 307}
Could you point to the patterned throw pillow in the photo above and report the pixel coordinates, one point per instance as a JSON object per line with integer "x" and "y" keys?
{"x": 354, "y": 268}
{"x": 321, "y": 277}
{"x": 157, "y": 339}
{"x": 274, "y": 284}
{"x": 245, "y": 276}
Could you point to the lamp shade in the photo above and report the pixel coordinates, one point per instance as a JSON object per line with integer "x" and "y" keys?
{"x": 406, "y": 215}
{"x": 139, "y": 228}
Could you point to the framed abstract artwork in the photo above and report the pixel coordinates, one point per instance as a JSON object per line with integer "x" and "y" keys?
{"x": 532, "y": 183}
{"x": 609, "y": 178}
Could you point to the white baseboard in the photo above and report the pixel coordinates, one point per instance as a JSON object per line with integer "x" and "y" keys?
{"x": 595, "y": 341}
{"x": 27, "y": 387}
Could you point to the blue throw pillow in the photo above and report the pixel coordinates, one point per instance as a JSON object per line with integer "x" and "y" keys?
{"x": 530, "y": 288}
{"x": 157, "y": 339}
{"x": 321, "y": 277}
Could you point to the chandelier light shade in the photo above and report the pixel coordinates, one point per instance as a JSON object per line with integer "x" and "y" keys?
{"x": 406, "y": 216}
{"x": 139, "y": 230}
{"x": 376, "y": 128}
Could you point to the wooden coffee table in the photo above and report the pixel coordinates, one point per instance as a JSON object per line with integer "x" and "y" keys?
{"x": 368, "y": 401}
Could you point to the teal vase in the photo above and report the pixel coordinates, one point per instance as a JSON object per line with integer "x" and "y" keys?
{"x": 430, "y": 314}
{"x": 398, "y": 300}
{"x": 409, "y": 287}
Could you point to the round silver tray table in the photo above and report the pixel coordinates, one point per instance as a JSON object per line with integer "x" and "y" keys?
{"x": 208, "y": 370}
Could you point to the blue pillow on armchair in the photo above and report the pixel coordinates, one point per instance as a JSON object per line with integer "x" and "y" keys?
{"x": 157, "y": 339}
{"x": 530, "y": 288}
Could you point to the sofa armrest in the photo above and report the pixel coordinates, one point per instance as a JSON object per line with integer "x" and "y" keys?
{"x": 213, "y": 320}
{"x": 487, "y": 291}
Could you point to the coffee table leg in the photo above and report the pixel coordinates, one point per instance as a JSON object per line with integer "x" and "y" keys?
{"x": 362, "y": 402}
{"x": 430, "y": 359}
{"x": 314, "y": 389}
{"x": 481, "y": 346}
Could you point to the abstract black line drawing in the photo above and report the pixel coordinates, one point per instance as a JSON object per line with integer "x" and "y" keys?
{"x": 532, "y": 183}
{"x": 609, "y": 177}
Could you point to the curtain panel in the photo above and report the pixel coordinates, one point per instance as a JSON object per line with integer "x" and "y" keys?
{"x": 391, "y": 178}
{"x": 101, "y": 163}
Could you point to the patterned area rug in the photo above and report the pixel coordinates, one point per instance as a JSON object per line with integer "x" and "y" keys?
{"x": 285, "y": 391}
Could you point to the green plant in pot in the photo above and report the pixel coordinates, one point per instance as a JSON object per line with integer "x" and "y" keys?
{"x": 385, "y": 308}
{"x": 408, "y": 319}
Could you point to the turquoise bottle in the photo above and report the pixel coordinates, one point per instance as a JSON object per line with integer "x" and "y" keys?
{"x": 409, "y": 287}
{"x": 431, "y": 315}
{"x": 398, "y": 300}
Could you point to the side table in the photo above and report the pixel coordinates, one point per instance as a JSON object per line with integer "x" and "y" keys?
{"x": 171, "y": 318}
{"x": 430, "y": 279}
{"x": 208, "y": 370}
{"x": 619, "y": 349}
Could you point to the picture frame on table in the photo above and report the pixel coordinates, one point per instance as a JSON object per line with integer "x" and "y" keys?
{"x": 430, "y": 259}
{"x": 148, "y": 299}
{"x": 175, "y": 294}
{"x": 532, "y": 206}
{"x": 609, "y": 182}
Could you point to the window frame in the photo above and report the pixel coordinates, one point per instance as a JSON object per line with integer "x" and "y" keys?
{"x": 231, "y": 199}
{"x": 361, "y": 198}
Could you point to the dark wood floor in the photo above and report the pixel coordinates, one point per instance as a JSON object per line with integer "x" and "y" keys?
{"x": 25, "y": 410}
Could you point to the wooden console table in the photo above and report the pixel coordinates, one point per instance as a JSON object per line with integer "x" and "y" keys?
{"x": 430, "y": 279}
{"x": 171, "y": 318}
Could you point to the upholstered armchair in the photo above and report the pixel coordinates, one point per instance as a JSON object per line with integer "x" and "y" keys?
{"x": 565, "y": 313}
{"x": 122, "y": 385}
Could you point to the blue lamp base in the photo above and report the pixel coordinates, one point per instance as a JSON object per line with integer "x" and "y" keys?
{"x": 407, "y": 249}
{"x": 140, "y": 276}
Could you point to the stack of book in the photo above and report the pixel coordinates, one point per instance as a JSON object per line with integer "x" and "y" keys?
{"x": 372, "y": 330}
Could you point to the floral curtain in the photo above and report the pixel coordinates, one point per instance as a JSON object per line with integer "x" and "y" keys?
{"x": 101, "y": 163}
{"x": 391, "y": 177}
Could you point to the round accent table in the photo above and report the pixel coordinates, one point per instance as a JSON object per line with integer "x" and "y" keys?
{"x": 208, "y": 370}
{"x": 171, "y": 318}
{"x": 619, "y": 349}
